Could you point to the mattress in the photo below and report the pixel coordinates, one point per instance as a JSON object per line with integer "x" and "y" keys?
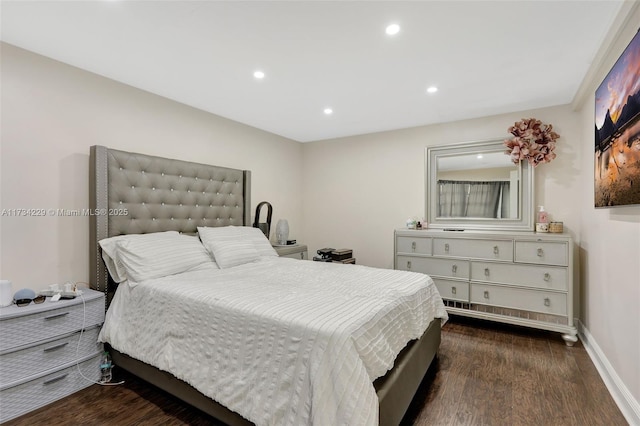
{"x": 279, "y": 341}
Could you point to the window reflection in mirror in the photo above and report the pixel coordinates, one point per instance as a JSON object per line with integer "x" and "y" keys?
{"x": 464, "y": 191}
{"x": 479, "y": 185}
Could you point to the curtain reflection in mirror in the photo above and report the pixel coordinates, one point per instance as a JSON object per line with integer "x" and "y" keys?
{"x": 483, "y": 199}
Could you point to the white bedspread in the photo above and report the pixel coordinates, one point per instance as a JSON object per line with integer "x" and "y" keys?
{"x": 279, "y": 341}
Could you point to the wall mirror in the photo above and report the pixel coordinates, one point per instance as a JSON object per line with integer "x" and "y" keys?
{"x": 475, "y": 185}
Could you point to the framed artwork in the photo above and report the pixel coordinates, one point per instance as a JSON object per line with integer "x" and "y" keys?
{"x": 617, "y": 138}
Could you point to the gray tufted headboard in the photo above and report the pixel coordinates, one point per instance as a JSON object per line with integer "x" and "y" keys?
{"x": 135, "y": 194}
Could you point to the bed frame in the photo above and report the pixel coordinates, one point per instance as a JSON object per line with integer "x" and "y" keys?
{"x": 133, "y": 193}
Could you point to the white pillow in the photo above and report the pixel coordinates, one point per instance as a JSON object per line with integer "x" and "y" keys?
{"x": 155, "y": 255}
{"x": 109, "y": 252}
{"x": 230, "y": 252}
{"x": 244, "y": 233}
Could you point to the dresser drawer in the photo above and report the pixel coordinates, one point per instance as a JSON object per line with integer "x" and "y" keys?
{"x": 413, "y": 245}
{"x": 18, "y": 400}
{"x": 518, "y": 298}
{"x": 452, "y": 290}
{"x": 474, "y": 248}
{"x": 543, "y": 277}
{"x": 34, "y": 360}
{"x": 47, "y": 324}
{"x": 452, "y": 268}
{"x": 547, "y": 252}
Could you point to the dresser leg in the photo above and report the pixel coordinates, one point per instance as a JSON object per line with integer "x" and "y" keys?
{"x": 570, "y": 339}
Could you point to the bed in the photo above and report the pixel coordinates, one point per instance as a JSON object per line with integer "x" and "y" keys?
{"x": 134, "y": 194}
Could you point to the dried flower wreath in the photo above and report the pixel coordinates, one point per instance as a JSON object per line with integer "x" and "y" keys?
{"x": 533, "y": 141}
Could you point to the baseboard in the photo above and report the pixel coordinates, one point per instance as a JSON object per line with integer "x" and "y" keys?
{"x": 626, "y": 402}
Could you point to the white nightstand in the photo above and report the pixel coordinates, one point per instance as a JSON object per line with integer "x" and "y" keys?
{"x": 39, "y": 351}
{"x": 294, "y": 251}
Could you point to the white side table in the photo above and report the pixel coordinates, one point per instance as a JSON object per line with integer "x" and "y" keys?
{"x": 294, "y": 251}
{"x": 39, "y": 353}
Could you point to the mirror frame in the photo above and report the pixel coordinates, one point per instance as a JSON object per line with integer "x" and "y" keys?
{"x": 525, "y": 220}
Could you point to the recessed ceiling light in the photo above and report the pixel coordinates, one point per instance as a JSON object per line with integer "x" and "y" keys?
{"x": 259, "y": 75}
{"x": 328, "y": 111}
{"x": 432, "y": 89}
{"x": 393, "y": 29}
{"x": 479, "y": 157}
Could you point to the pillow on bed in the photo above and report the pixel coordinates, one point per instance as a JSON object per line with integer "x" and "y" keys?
{"x": 238, "y": 233}
{"x": 109, "y": 252}
{"x": 141, "y": 257}
{"x": 229, "y": 252}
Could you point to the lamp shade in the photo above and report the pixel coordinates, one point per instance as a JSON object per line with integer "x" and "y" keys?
{"x": 282, "y": 231}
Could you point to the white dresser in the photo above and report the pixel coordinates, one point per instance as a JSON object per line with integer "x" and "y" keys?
{"x": 41, "y": 356}
{"x": 519, "y": 278}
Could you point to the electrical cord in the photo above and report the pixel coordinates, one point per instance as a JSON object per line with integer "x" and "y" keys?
{"x": 84, "y": 319}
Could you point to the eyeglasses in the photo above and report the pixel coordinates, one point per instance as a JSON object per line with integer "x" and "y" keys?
{"x": 25, "y": 302}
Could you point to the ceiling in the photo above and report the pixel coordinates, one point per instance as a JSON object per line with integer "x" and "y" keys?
{"x": 485, "y": 57}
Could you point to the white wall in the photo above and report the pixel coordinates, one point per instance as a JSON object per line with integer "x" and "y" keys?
{"x": 52, "y": 113}
{"x": 359, "y": 189}
{"x": 610, "y": 250}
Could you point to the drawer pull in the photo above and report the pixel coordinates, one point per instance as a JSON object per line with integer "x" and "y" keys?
{"x": 55, "y": 379}
{"x": 547, "y": 277}
{"x": 453, "y": 290}
{"x": 53, "y": 348}
{"x": 446, "y": 247}
{"x": 413, "y": 245}
{"x": 547, "y": 301}
{"x": 486, "y": 272}
{"x": 486, "y": 294}
{"x": 496, "y": 250}
{"x": 302, "y": 255}
{"x": 408, "y": 264}
{"x": 540, "y": 252}
{"x": 454, "y": 268}
{"x": 56, "y": 316}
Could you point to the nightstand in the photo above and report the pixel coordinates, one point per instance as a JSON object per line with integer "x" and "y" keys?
{"x": 40, "y": 354}
{"x": 294, "y": 251}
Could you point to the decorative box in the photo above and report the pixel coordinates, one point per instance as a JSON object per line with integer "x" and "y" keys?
{"x": 542, "y": 227}
{"x": 341, "y": 254}
{"x": 556, "y": 227}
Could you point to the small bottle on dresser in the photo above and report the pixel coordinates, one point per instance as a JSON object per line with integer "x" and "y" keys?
{"x": 543, "y": 216}
{"x": 542, "y": 224}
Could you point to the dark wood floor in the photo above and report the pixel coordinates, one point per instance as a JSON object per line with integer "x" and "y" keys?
{"x": 493, "y": 374}
{"x": 486, "y": 374}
